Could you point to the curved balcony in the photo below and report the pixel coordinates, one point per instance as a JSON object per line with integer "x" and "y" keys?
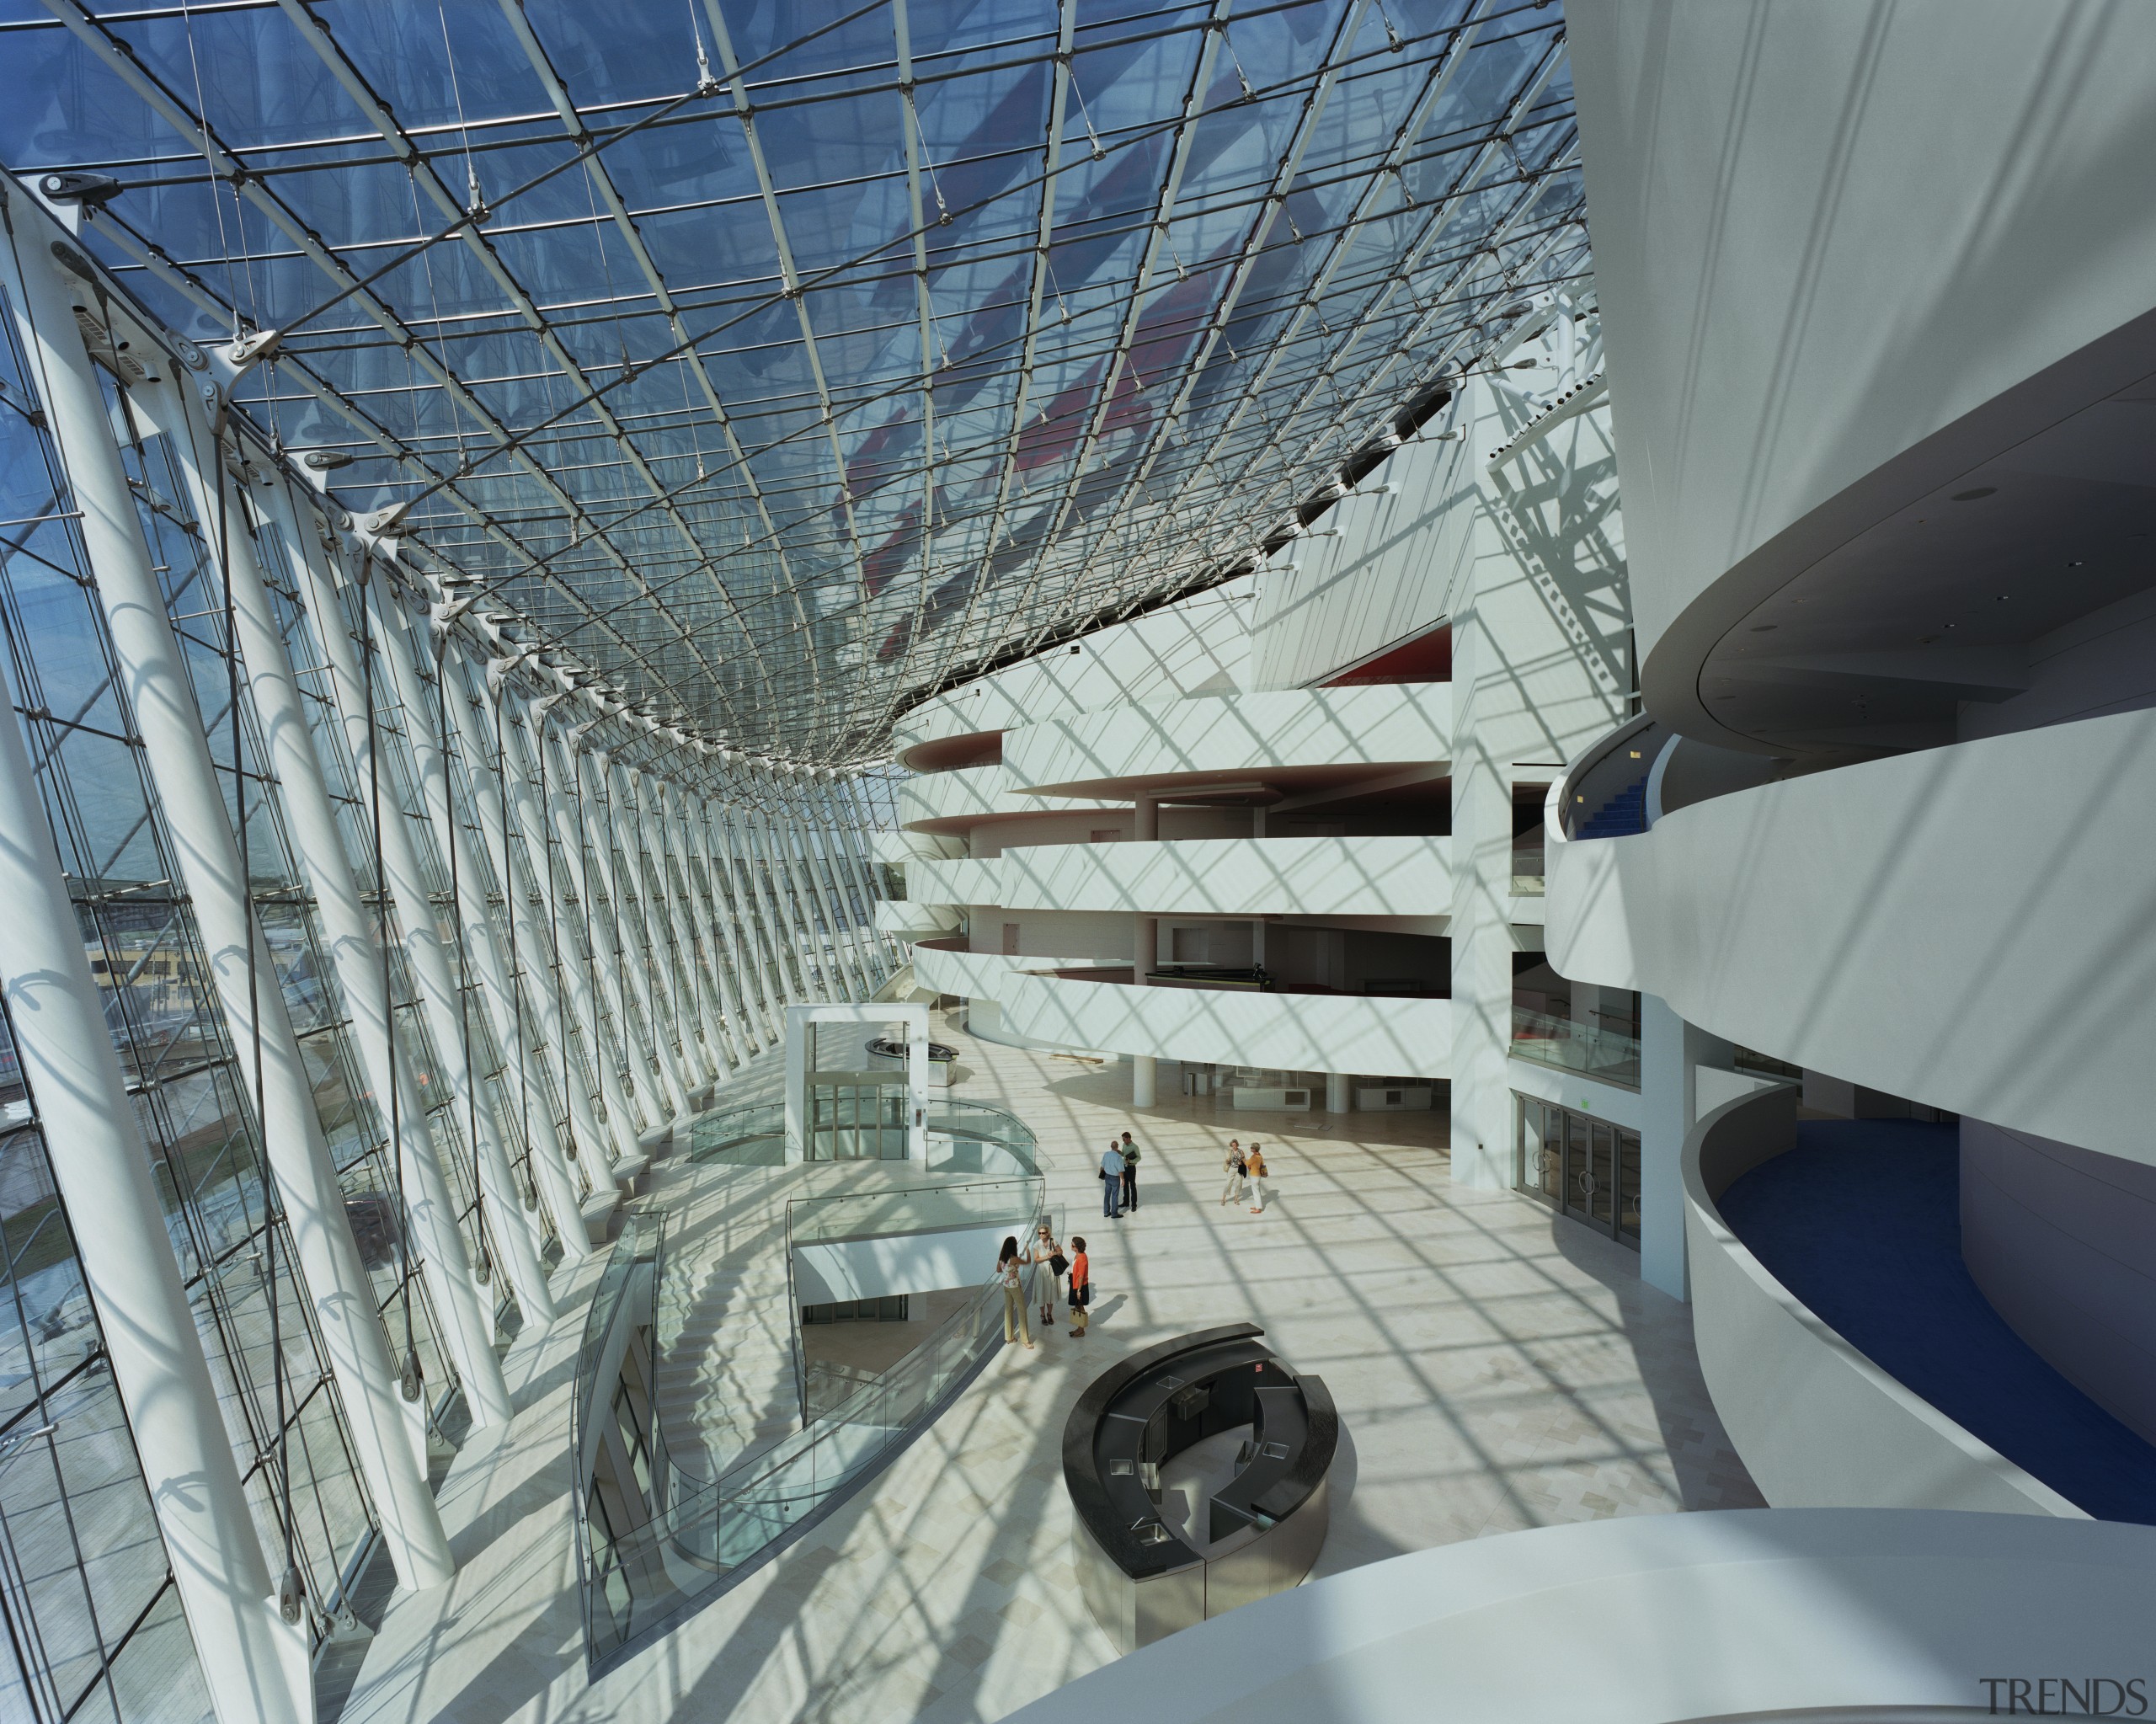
{"x": 1816, "y": 1421}
{"x": 1966, "y": 926}
{"x": 1292, "y": 1031}
{"x": 954, "y": 880}
{"x": 1375, "y": 877}
{"x": 910, "y": 920}
{"x": 954, "y": 802}
{"x": 948, "y": 968}
{"x": 1294, "y": 740}
{"x": 1837, "y": 1617}
{"x": 1848, "y": 1347}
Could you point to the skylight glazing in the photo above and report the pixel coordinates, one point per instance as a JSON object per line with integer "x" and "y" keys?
{"x": 781, "y": 361}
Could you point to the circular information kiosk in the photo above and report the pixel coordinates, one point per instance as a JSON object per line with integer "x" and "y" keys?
{"x": 1197, "y": 1470}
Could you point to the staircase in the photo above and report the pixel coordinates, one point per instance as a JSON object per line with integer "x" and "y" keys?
{"x": 726, "y": 1386}
{"x": 1623, "y": 814}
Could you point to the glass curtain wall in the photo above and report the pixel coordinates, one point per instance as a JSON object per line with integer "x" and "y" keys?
{"x": 91, "y": 1617}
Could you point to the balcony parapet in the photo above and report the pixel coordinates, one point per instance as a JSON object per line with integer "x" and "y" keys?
{"x": 1287, "y": 736}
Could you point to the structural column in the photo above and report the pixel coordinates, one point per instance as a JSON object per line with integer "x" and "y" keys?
{"x": 1483, "y": 684}
{"x": 253, "y": 1662}
{"x": 500, "y": 797}
{"x": 693, "y": 989}
{"x": 642, "y": 941}
{"x": 764, "y": 884}
{"x": 1670, "y": 1054}
{"x": 1336, "y": 1092}
{"x": 170, "y": 725}
{"x": 626, "y": 979}
{"x": 621, "y": 1129}
{"x": 750, "y": 1025}
{"x": 310, "y": 823}
{"x": 858, "y": 870}
{"x": 440, "y": 990}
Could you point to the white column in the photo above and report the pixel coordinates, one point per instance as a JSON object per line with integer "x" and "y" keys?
{"x": 1336, "y": 1092}
{"x": 440, "y": 995}
{"x": 627, "y": 977}
{"x": 764, "y": 881}
{"x": 156, "y": 679}
{"x": 349, "y": 932}
{"x": 1670, "y": 1054}
{"x": 693, "y": 993}
{"x": 838, "y": 957}
{"x": 841, "y": 806}
{"x": 627, "y": 887}
{"x": 1481, "y": 909}
{"x": 621, "y": 1129}
{"x": 253, "y": 1663}
{"x": 786, "y": 887}
{"x": 1142, "y": 1080}
{"x": 737, "y": 977}
{"x": 494, "y": 782}
{"x": 676, "y": 808}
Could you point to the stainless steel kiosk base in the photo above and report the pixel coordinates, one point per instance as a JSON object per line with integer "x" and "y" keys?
{"x": 1266, "y": 1526}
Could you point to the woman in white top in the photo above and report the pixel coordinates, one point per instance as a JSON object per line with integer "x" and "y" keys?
{"x": 1011, "y": 1277}
{"x": 1048, "y": 1271}
{"x": 1236, "y": 1187}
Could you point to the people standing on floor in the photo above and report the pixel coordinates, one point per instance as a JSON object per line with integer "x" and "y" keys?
{"x": 1129, "y": 1151}
{"x": 1233, "y": 1192}
{"x": 1254, "y": 1165}
{"x": 1011, "y": 1277}
{"x": 1081, "y": 1286}
{"x": 1050, "y": 1263}
{"x": 1112, "y": 1182}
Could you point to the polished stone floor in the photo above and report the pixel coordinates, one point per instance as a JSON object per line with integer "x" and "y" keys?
{"x": 1495, "y": 1368}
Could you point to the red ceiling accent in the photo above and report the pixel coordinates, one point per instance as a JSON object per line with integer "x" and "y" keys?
{"x": 1425, "y": 658}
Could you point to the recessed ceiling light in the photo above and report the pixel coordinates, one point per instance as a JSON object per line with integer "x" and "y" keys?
{"x": 2076, "y": 564}
{"x": 1971, "y": 496}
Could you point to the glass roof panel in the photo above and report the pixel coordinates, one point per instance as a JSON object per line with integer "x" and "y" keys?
{"x": 802, "y": 358}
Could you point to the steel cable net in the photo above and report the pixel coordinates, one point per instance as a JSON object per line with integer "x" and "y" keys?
{"x": 785, "y": 364}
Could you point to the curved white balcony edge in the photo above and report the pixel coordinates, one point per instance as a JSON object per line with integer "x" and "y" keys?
{"x": 1234, "y": 734}
{"x": 954, "y": 880}
{"x": 1816, "y": 1422}
{"x": 1288, "y": 1031}
{"x": 971, "y": 793}
{"x": 1380, "y": 876}
{"x": 1967, "y": 926}
{"x": 1816, "y": 1614}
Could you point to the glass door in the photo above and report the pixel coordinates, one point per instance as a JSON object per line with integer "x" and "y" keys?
{"x": 1585, "y": 1168}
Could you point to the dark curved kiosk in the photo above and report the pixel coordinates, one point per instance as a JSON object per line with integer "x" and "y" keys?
{"x": 1257, "y": 1534}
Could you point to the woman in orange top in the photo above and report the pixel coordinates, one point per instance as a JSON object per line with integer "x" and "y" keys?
{"x": 1081, "y": 1286}
{"x": 1254, "y": 1165}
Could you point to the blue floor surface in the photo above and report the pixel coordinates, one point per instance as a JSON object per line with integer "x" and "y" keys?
{"x": 1862, "y": 1222}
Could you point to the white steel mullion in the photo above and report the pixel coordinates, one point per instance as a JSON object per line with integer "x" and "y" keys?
{"x": 178, "y": 752}
{"x": 550, "y": 1173}
{"x": 350, "y": 933}
{"x": 253, "y": 1663}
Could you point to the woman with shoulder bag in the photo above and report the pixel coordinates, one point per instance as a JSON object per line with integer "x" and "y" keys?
{"x": 1081, "y": 1286}
{"x": 1051, "y": 1263}
{"x": 1237, "y": 1185}
{"x": 1010, "y": 1267}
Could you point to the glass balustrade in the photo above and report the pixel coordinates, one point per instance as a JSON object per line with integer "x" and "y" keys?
{"x": 651, "y": 1551}
{"x": 1607, "y": 1055}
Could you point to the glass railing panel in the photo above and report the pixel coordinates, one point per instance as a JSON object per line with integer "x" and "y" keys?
{"x": 1609, "y": 1055}
{"x": 700, "y": 1529}
{"x": 1528, "y": 870}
